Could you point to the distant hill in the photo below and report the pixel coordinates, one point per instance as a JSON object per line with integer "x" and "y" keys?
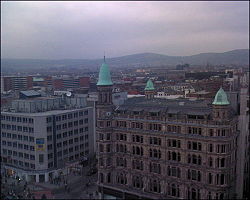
{"x": 238, "y": 57}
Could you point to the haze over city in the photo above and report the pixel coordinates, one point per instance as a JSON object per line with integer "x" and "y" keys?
{"x": 59, "y": 30}
{"x": 125, "y": 100}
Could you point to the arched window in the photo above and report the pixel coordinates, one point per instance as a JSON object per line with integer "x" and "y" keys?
{"x": 179, "y": 157}
{"x": 222, "y": 162}
{"x": 210, "y": 178}
{"x": 169, "y": 155}
{"x": 109, "y": 177}
{"x": 173, "y": 190}
{"x": 222, "y": 196}
{"x": 209, "y": 196}
{"x": 150, "y": 153}
{"x": 174, "y": 156}
{"x": 189, "y": 158}
{"x": 193, "y": 193}
{"x": 222, "y": 179}
{"x": 210, "y": 161}
{"x": 169, "y": 171}
{"x": 101, "y": 177}
{"x": 199, "y": 160}
{"x": 194, "y": 159}
{"x": 155, "y": 153}
{"x": 137, "y": 150}
{"x": 199, "y": 176}
{"x": 159, "y": 153}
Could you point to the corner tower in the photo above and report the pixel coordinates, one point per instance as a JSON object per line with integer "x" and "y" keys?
{"x": 221, "y": 106}
{"x": 149, "y": 90}
{"x": 104, "y": 131}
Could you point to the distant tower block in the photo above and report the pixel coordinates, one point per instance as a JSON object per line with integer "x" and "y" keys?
{"x": 149, "y": 90}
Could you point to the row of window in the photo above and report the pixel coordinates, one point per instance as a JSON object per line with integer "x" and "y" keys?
{"x": 71, "y": 124}
{"x": 18, "y": 137}
{"x": 17, "y": 119}
{"x": 154, "y": 185}
{"x": 68, "y": 116}
{"x": 18, "y": 128}
{"x": 19, "y": 145}
{"x": 174, "y": 129}
{"x": 65, "y": 126}
{"x": 18, "y": 154}
{"x": 68, "y": 134}
{"x": 22, "y": 164}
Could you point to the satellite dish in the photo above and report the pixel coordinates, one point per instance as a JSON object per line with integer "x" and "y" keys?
{"x": 68, "y": 94}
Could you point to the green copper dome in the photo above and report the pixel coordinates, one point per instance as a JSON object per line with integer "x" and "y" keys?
{"x": 221, "y": 98}
{"x": 150, "y": 85}
{"x": 104, "y": 75}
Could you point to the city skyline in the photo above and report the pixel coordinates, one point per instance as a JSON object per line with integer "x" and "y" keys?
{"x": 58, "y": 30}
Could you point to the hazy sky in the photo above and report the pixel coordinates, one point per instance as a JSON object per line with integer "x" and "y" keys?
{"x": 58, "y": 30}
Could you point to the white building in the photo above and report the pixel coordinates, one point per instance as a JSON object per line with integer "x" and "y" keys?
{"x": 40, "y": 142}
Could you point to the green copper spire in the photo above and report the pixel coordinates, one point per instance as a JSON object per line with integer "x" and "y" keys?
{"x": 104, "y": 75}
{"x": 150, "y": 85}
{"x": 220, "y": 98}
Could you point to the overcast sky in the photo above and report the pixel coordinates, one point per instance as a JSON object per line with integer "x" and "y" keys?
{"x": 58, "y": 30}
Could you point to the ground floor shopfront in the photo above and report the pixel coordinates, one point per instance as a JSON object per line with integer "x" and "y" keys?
{"x": 41, "y": 176}
{"x": 32, "y": 176}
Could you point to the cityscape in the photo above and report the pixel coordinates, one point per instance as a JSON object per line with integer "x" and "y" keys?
{"x": 125, "y": 100}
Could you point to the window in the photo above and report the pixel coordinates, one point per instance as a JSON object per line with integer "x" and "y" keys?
{"x": 194, "y": 175}
{"x": 155, "y": 141}
{"x": 20, "y": 155}
{"x": 137, "y": 182}
{"x": 65, "y": 134}
{"x": 32, "y": 148}
{"x": 174, "y": 156}
{"x": 20, "y": 146}
{"x": 154, "y": 185}
{"x": 32, "y": 139}
{"x": 173, "y": 190}
{"x": 210, "y": 147}
{"x": 41, "y": 158}
{"x": 59, "y": 145}
{"x": 155, "y": 168}
{"x": 101, "y": 148}
{"x": 174, "y": 143}
{"x": 49, "y": 129}
{"x": 32, "y": 157}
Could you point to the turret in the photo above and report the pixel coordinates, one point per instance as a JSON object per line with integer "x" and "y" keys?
{"x": 221, "y": 106}
{"x": 149, "y": 90}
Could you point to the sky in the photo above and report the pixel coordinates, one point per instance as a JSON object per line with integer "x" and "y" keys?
{"x": 85, "y": 29}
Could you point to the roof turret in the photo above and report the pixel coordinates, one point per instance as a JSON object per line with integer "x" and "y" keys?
{"x": 221, "y": 98}
{"x": 104, "y": 75}
{"x": 150, "y": 85}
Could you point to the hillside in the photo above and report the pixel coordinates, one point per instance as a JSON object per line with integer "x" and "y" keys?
{"x": 239, "y": 57}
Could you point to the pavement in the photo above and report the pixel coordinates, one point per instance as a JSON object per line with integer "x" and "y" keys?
{"x": 75, "y": 183}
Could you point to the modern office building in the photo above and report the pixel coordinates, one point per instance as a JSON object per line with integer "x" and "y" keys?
{"x": 165, "y": 149}
{"x": 16, "y": 83}
{"x": 45, "y": 136}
